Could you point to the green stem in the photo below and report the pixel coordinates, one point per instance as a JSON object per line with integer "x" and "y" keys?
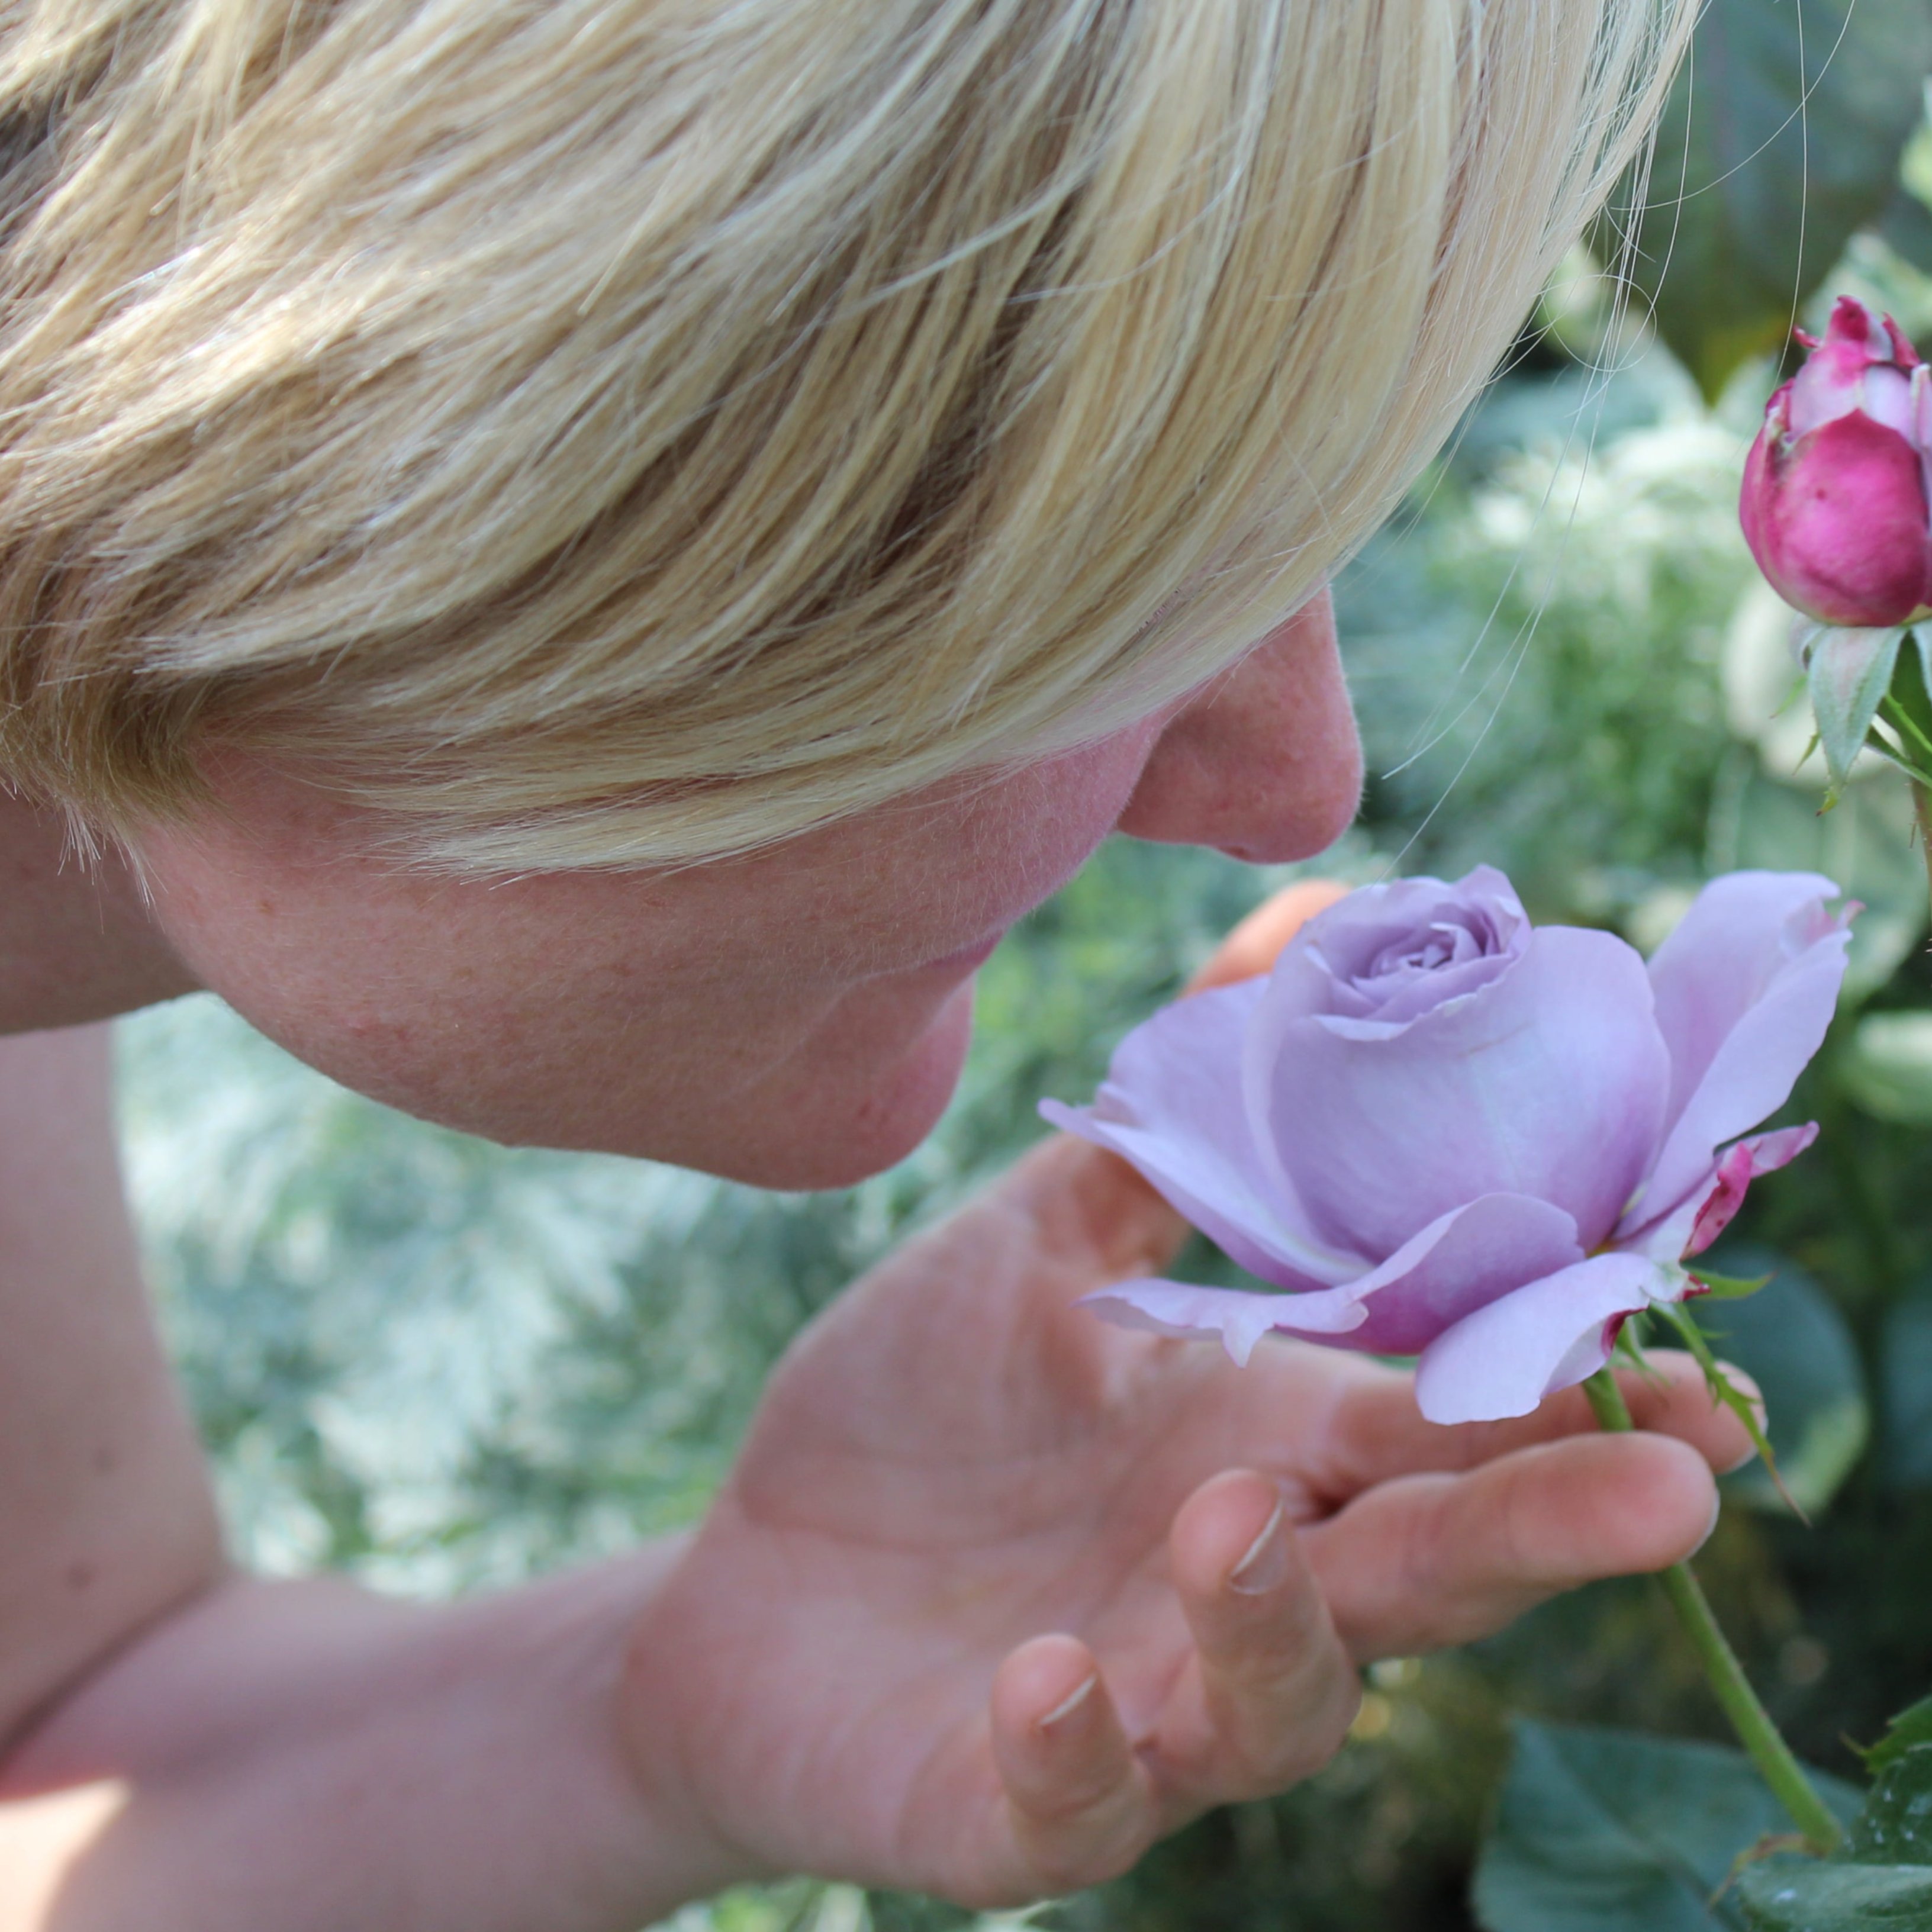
{"x": 1759, "y": 1736}
{"x": 1922, "y": 810}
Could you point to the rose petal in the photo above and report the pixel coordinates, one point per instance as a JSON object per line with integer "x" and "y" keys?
{"x": 1746, "y": 987}
{"x": 1861, "y": 346}
{"x": 1503, "y": 1359}
{"x": 1234, "y": 1316}
{"x": 1708, "y": 1210}
{"x": 1460, "y": 1262}
{"x": 1836, "y": 518}
{"x": 1170, "y": 1107}
{"x": 1550, "y": 1081}
{"x": 1456, "y": 1264}
{"x": 1335, "y": 964}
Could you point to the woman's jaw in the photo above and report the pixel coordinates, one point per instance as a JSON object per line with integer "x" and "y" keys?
{"x": 797, "y": 1019}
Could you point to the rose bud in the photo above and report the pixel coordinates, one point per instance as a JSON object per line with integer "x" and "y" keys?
{"x": 1834, "y": 499}
{"x": 1435, "y": 1130}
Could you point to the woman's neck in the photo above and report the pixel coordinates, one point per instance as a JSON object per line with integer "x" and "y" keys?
{"x": 75, "y": 941}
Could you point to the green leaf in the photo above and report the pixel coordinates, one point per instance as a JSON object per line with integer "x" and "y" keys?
{"x": 1895, "y": 1827}
{"x": 1846, "y": 673}
{"x": 1910, "y": 1729}
{"x": 1794, "y": 1343}
{"x": 1606, "y": 1831}
{"x": 1728, "y": 1287}
{"x": 1819, "y": 1895}
{"x": 1905, "y": 1362}
{"x": 1782, "y": 136}
{"x": 1883, "y": 1876}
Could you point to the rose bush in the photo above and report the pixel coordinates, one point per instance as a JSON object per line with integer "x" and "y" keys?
{"x": 1446, "y": 1133}
{"x": 1834, "y": 504}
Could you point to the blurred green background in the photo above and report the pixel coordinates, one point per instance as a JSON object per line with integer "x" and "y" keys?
{"x": 444, "y": 1365}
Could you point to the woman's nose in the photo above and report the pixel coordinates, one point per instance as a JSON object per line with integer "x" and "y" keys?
{"x": 1264, "y": 763}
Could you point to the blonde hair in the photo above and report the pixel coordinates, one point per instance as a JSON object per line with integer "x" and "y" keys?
{"x": 622, "y": 431}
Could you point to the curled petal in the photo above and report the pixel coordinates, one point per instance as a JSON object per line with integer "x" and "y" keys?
{"x": 1745, "y": 988}
{"x": 1503, "y": 1359}
{"x": 1708, "y": 1209}
{"x": 1170, "y": 1108}
{"x": 1862, "y": 354}
{"x": 1460, "y": 1262}
{"x": 1237, "y": 1319}
{"x": 1350, "y": 959}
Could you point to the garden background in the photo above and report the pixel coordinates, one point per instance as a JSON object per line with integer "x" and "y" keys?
{"x": 444, "y": 1365}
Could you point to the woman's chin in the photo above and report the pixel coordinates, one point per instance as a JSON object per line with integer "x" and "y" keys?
{"x": 829, "y": 1133}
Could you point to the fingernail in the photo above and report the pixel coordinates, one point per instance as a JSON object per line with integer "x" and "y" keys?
{"x": 1264, "y": 1568}
{"x": 1071, "y": 1702}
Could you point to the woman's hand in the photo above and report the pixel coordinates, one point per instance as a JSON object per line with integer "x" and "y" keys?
{"x": 997, "y": 1594}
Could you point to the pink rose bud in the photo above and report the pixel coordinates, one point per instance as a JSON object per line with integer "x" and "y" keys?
{"x": 1834, "y": 502}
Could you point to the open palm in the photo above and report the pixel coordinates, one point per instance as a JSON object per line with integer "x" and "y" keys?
{"x": 997, "y": 1594}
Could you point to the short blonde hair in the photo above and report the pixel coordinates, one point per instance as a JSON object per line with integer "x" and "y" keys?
{"x": 622, "y": 431}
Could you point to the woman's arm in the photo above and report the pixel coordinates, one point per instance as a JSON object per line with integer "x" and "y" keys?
{"x": 182, "y": 1750}
{"x": 105, "y": 1515}
{"x": 307, "y": 1757}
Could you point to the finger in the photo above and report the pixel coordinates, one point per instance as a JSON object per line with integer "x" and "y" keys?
{"x": 1079, "y": 1805}
{"x": 1252, "y": 946}
{"x": 1375, "y": 1431}
{"x": 1086, "y": 1210}
{"x": 1270, "y": 1692}
{"x": 1427, "y": 1561}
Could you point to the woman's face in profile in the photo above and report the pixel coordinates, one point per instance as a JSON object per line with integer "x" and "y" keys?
{"x": 797, "y": 1019}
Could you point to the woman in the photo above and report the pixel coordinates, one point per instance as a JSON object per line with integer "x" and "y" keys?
{"x": 580, "y": 564}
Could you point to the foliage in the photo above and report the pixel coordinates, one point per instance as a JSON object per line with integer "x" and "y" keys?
{"x": 1883, "y": 1874}
{"x": 1782, "y": 139}
{"x": 1599, "y": 1831}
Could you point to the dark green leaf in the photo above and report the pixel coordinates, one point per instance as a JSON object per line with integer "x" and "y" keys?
{"x": 1604, "y": 1831}
{"x": 1895, "y": 1827}
{"x": 1909, "y": 1731}
{"x": 1816, "y": 1895}
{"x": 1905, "y": 1356}
{"x": 1784, "y": 106}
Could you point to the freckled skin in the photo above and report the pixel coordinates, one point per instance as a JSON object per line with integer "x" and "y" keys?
{"x": 797, "y": 1019}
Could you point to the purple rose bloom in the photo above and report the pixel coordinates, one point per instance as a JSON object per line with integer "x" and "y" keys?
{"x": 1445, "y": 1133}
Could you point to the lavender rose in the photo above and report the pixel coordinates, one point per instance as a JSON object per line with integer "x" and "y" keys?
{"x": 1446, "y": 1133}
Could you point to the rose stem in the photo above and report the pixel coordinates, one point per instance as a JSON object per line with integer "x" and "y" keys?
{"x": 1759, "y": 1736}
{"x": 1922, "y": 810}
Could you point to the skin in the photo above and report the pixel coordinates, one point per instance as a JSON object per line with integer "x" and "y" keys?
{"x": 795, "y": 1019}
{"x": 995, "y": 1596}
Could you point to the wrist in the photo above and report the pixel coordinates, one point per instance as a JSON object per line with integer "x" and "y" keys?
{"x": 670, "y": 1769}
{"x": 295, "y": 1757}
